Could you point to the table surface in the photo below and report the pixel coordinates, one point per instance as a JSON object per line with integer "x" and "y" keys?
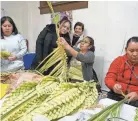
{"x": 127, "y": 112}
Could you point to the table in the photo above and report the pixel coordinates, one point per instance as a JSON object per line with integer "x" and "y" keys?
{"x": 127, "y": 112}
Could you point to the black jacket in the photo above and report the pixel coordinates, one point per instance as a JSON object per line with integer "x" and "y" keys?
{"x": 46, "y": 42}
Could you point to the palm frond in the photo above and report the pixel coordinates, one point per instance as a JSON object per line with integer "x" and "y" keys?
{"x": 102, "y": 115}
{"x": 57, "y": 58}
{"x": 136, "y": 116}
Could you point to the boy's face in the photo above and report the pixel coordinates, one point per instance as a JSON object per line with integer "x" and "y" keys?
{"x": 78, "y": 30}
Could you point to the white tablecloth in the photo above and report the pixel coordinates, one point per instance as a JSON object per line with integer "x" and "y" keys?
{"x": 127, "y": 112}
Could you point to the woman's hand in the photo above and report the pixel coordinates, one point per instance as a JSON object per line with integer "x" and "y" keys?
{"x": 132, "y": 96}
{"x": 64, "y": 43}
{"x": 12, "y": 58}
{"x": 117, "y": 88}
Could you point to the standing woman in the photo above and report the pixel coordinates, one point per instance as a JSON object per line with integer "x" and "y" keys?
{"x": 12, "y": 42}
{"x": 46, "y": 41}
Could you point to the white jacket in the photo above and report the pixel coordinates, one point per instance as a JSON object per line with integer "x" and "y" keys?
{"x": 16, "y": 45}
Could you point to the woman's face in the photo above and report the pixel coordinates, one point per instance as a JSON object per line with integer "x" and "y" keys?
{"x": 85, "y": 44}
{"x": 78, "y": 30}
{"x": 64, "y": 28}
{"x": 132, "y": 52}
{"x": 7, "y": 28}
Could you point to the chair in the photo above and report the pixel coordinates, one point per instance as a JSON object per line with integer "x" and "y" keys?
{"x": 28, "y": 59}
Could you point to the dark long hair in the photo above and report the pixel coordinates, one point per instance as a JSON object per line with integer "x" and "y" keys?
{"x": 132, "y": 39}
{"x": 9, "y": 19}
{"x": 91, "y": 43}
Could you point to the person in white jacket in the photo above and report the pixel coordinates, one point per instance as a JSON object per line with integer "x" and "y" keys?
{"x": 78, "y": 34}
{"x": 12, "y": 42}
{"x": 76, "y": 37}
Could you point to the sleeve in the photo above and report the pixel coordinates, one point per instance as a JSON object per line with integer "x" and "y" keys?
{"x": 111, "y": 76}
{"x": 22, "y": 47}
{"x": 48, "y": 44}
{"x": 86, "y": 58}
{"x": 39, "y": 44}
{"x": 69, "y": 54}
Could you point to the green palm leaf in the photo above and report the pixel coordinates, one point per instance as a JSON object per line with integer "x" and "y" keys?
{"x": 136, "y": 116}
{"x": 102, "y": 115}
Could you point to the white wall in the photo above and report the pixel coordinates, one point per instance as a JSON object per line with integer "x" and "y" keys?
{"x": 109, "y": 23}
{"x": 18, "y": 12}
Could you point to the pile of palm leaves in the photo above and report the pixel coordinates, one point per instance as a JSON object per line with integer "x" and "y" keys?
{"x": 50, "y": 98}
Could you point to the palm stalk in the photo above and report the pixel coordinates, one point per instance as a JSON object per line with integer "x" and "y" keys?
{"x": 116, "y": 113}
{"x": 56, "y": 69}
{"x": 136, "y": 116}
{"x": 102, "y": 115}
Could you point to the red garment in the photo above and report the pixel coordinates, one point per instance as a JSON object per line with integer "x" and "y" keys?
{"x": 120, "y": 72}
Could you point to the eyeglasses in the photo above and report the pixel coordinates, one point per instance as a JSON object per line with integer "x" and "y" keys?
{"x": 85, "y": 40}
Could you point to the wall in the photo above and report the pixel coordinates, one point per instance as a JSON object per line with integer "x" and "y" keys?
{"x": 18, "y": 12}
{"x": 109, "y": 23}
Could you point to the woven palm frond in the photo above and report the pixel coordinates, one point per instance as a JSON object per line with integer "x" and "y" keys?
{"x": 19, "y": 99}
{"x": 91, "y": 97}
{"x": 58, "y": 56}
{"x": 64, "y": 100}
{"x": 75, "y": 73}
{"x": 24, "y": 90}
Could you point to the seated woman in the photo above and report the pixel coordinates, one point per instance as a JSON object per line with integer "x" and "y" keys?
{"x": 122, "y": 76}
{"x": 47, "y": 38}
{"x": 13, "y": 43}
{"x": 85, "y": 55}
